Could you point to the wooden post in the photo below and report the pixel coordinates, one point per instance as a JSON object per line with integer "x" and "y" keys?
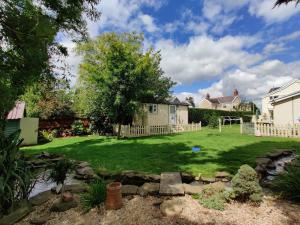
{"x": 220, "y": 125}
{"x": 241, "y": 125}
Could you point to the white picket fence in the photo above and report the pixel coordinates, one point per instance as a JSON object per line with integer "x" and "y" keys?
{"x": 141, "y": 131}
{"x": 261, "y": 129}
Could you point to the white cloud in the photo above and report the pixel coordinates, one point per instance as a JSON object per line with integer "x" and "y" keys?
{"x": 204, "y": 57}
{"x": 148, "y": 22}
{"x": 265, "y": 9}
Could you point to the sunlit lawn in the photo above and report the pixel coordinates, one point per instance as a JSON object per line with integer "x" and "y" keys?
{"x": 219, "y": 151}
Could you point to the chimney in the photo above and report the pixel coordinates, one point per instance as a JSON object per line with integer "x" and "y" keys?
{"x": 235, "y": 92}
{"x": 207, "y": 96}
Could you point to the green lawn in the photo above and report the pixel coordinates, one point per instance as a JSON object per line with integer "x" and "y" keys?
{"x": 220, "y": 151}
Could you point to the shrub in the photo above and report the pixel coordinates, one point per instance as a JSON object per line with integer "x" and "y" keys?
{"x": 196, "y": 115}
{"x": 288, "y": 184}
{"x": 213, "y": 121}
{"x": 77, "y": 127}
{"x": 45, "y": 136}
{"x": 96, "y": 194}
{"x": 245, "y": 185}
{"x": 15, "y": 175}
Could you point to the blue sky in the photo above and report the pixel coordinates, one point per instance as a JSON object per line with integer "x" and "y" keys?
{"x": 210, "y": 46}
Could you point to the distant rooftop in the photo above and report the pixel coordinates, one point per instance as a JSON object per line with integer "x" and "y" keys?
{"x": 17, "y": 112}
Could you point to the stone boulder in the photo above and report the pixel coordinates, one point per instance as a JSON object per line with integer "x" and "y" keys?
{"x": 84, "y": 173}
{"x": 194, "y": 188}
{"x": 172, "y": 207}
{"x": 40, "y": 198}
{"x": 187, "y": 178}
{"x": 60, "y": 206}
{"x": 148, "y": 189}
{"x": 208, "y": 180}
{"x": 129, "y": 189}
{"x": 39, "y": 220}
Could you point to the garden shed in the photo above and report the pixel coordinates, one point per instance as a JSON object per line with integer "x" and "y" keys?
{"x": 16, "y": 119}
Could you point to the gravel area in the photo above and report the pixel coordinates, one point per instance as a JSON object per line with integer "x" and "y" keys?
{"x": 145, "y": 211}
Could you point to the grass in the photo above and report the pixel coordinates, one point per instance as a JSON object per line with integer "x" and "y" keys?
{"x": 225, "y": 151}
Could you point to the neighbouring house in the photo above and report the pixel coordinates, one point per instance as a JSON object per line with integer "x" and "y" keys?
{"x": 16, "y": 119}
{"x": 171, "y": 112}
{"x": 227, "y": 103}
{"x": 281, "y": 105}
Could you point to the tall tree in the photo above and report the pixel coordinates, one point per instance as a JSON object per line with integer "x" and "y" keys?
{"x": 280, "y": 2}
{"x": 191, "y": 101}
{"x": 27, "y": 41}
{"x": 121, "y": 75}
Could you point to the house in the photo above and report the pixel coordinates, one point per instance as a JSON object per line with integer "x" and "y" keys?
{"x": 16, "y": 119}
{"x": 227, "y": 103}
{"x": 281, "y": 105}
{"x": 170, "y": 112}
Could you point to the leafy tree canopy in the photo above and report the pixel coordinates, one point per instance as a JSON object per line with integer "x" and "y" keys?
{"x": 280, "y": 2}
{"x": 118, "y": 75}
{"x": 27, "y": 40}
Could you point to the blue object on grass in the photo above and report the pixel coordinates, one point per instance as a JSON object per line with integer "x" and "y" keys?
{"x": 196, "y": 149}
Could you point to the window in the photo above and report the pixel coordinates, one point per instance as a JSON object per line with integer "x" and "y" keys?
{"x": 152, "y": 108}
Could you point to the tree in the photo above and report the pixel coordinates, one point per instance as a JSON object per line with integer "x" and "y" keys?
{"x": 49, "y": 99}
{"x": 280, "y": 2}
{"x": 191, "y": 101}
{"x": 120, "y": 75}
{"x": 28, "y": 29}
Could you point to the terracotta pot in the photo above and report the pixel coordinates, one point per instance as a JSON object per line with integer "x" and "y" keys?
{"x": 113, "y": 196}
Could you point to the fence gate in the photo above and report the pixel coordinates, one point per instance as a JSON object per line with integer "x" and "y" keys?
{"x": 248, "y": 128}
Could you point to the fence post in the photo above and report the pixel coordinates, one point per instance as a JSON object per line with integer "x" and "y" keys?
{"x": 241, "y": 125}
{"x": 200, "y": 125}
{"x": 220, "y": 125}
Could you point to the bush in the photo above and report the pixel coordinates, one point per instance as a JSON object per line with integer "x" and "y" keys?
{"x": 245, "y": 185}
{"x": 45, "y": 136}
{"x": 213, "y": 196}
{"x": 60, "y": 170}
{"x": 196, "y": 115}
{"x": 96, "y": 194}
{"x": 77, "y": 127}
{"x": 213, "y": 121}
{"x": 287, "y": 184}
{"x": 15, "y": 175}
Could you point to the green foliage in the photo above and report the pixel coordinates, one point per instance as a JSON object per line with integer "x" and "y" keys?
{"x": 15, "y": 176}
{"x": 77, "y": 127}
{"x": 49, "y": 99}
{"x": 196, "y": 115}
{"x": 245, "y": 185}
{"x": 213, "y": 121}
{"x": 28, "y": 32}
{"x": 45, "y": 136}
{"x": 212, "y": 196}
{"x": 280, "y": 2}
{"x": 96, "y": 194}
{"x": 116, "y": 76}
{"x": 60, "y": 170}
{"x": 287, "y": 184}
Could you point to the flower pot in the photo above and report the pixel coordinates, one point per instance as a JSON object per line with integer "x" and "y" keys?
{"x": 114, "y": 196}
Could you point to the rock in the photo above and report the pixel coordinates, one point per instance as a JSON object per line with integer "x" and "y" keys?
{"x": 58, "y": 188}
{"x": 129, "y": 189}
{"x": 171, "y": 184}
{"x": 135, "y": 178}
{"x": 222, "y": 174}
{"x": 171, "y": 207}
{"x": 148, "y": 189}
{"x": 23, "y": 210}
{"x": 279, "y": 153}
{"x": 187, "y": 178}
{"x": 67, "y": 197}
{"x": 44, "y": 155}
{"x": 191, "y": 189}
{"x": 76, "y": 188}
{"x": 60, "y": 206}
{"x": 263, "y": 161}
{"x": 83, "y": 164}
{"x": 39, "y": 220}
{"x": 208, "y": 180}
{"x": 40, "y": 198}
{"x": 84, "y": 173}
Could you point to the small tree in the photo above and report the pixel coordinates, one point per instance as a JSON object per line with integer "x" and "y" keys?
{"x": 280, "y": 2}
{"x": 59, "y": 172}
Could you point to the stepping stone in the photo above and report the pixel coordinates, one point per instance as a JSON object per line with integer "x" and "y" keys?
{"x": 129, "y": 189}
{"x": 171, "y": 184}
{"x": 191, "y": 189}
{"x": 148, "y": 189}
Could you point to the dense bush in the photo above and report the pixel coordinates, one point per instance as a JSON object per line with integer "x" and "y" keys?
{"x": 45, "y": 136}
{"x": 287, "y": 184}
{"x": 213, "y": 121}
{"x": 213, "y": 196}
{"x": 78, "y": 128}
{"x": 96, "y": 194}
{"x": 245, "y": 185}
{"x": 15, "y": 176}
{"x": 196, "y": 115}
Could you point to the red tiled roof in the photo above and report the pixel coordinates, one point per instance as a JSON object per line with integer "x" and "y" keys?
{"x": 17, "y": 112}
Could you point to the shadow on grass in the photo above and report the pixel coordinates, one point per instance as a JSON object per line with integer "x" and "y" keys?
{"x": 134, "y": 154}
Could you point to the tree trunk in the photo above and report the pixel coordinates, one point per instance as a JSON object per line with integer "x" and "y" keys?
{"x": 119, "y": 131}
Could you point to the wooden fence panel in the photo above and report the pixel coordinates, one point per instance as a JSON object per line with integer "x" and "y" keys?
{"x": 277, "y": 130}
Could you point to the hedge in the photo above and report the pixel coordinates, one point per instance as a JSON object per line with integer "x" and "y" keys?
{"x": 196, "y": 115}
